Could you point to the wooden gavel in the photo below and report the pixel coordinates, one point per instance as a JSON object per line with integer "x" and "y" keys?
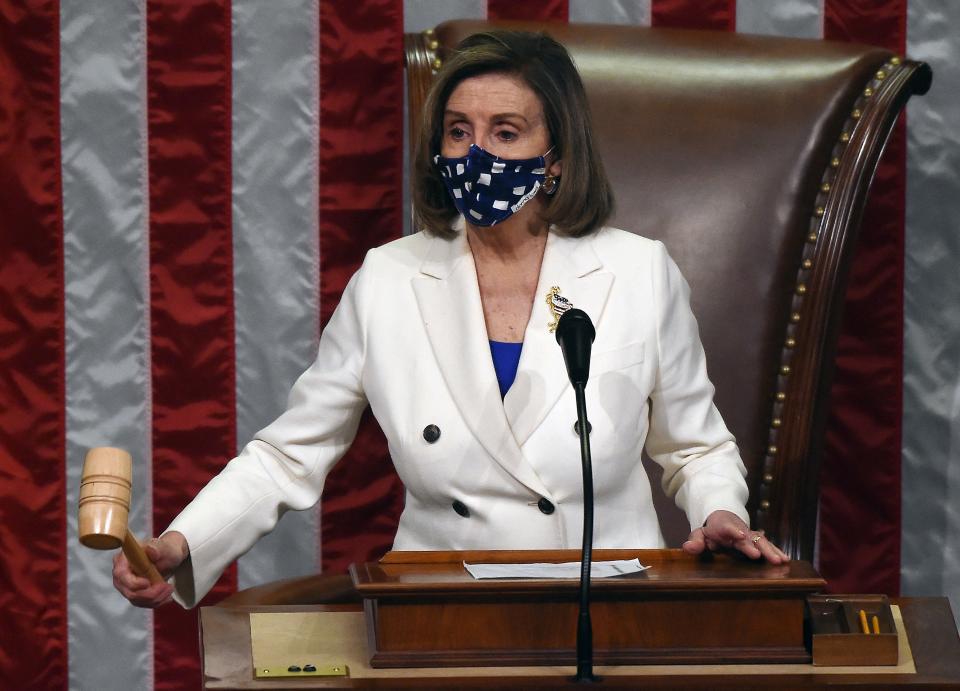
{"x": 104, "y": 504}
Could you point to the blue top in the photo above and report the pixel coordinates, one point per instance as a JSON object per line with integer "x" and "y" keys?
{"x": 506, "y": 357}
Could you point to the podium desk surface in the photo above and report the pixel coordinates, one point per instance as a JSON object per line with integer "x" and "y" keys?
{"x": 929, "y": 625}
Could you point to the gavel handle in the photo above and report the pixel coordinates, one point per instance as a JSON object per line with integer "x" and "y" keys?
{"x": 142, "y": 566}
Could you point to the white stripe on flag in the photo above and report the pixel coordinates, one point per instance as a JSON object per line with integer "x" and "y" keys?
{"x": 419, "y": 15}
{"x": 793, "y": 18}
{"x": 107, "y": 320}
{"x": 634, "y": 12}
{"x": 275, "y": 239}
{"x": 930, "y": 541}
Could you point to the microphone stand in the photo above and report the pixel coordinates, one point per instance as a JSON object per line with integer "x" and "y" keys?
{"x": 584, "y": 625}
{"x": 575, "y": 334}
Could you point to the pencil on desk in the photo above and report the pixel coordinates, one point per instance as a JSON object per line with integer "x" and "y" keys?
{"x": 876, "y": 624}
{"x": 863, "y": 622}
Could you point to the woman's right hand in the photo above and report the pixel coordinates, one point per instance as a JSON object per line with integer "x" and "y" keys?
{"x": 166, "y": 552}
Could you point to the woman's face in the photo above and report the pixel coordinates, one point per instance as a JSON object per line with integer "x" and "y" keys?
{"x": 499, "y": 113}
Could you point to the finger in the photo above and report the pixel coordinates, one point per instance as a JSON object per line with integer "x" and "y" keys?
{"x": 728, "y": 534}
{"x": 771, "y": 553}
{"x": 156, "y": 553}
{"x": 163, "y": 553}
{"x": 725, "y": 529}
{"x": 154, "y": 596}
{"x": 132, "y": 582}
{"x": 124, "y": 577}
{"x": 749, "y": 545}
{"x": 150, "y": 549}
{"x": 695, "y": 544}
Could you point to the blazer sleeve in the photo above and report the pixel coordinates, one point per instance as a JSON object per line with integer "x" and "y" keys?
{"x": 285, "y": 465}
{"x": 703, "y": 471}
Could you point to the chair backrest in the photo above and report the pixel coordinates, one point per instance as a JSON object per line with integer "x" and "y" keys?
{"x": 750, "y": 157}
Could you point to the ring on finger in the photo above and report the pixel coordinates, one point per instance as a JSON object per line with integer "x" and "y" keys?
{"x": 756, "y": 539}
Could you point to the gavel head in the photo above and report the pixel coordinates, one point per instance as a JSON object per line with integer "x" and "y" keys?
{"x": 104, "y": 497}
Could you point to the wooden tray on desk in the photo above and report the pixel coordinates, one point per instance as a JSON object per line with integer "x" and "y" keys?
{"x": 423, "y": 609}
{"x": 838, "y": 638}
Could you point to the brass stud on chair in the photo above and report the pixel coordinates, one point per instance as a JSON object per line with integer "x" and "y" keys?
{"x": 433, "y": 45}
{"x": 428, "y": 32}
{"x": 825, "y": 187}
{"x": 768, "y": 478}
{"x": 895, "y": 60}
{"x": 819, "y": 212}
{"x": 881, "y": 74}
{"x": 812, "y": 237}
{"x": 807, "y": 264}
{"x": 856, "y": 114}
{"x": 776, "y": 422}
{"x": 801, "y": 289}
{"x": 437, "y": 63}
{"x": 791, "y": 342}
{"x": 845, "y": 137}
{"x": 771, "y": 450}
{"x": 781, "y": 396}
{"x": 764, "y": 504}
{"x": 785, "y": 370}
{"x": 868, "y": 92}
{"x": 834, "y": 162}
{"x": 795, "y": 317}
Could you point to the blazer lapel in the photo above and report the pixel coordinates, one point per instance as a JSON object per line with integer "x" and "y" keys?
{"x": 449, "y": 300}
{"x": 573, "y": 266}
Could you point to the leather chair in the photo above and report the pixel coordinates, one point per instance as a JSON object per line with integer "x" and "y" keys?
{"x": 750, "y": 157}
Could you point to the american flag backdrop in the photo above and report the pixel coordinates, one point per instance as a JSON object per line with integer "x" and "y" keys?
{"x": 187, "y": 185}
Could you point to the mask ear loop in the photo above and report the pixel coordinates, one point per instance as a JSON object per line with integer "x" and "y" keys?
{"x": 550, "y": 182}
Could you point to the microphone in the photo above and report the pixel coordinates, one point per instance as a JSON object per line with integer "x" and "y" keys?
{"x": 575, "y": 334}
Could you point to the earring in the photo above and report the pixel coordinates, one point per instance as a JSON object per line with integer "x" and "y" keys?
{"x": 550, "y": 183}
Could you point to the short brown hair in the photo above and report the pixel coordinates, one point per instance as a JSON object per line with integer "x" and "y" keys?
{"x": 584, "y": 200}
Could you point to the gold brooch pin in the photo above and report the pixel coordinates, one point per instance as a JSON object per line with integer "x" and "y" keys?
{"x": 558, "y": 305}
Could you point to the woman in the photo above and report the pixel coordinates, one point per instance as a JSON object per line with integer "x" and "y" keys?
{"x": 447, "y": 335}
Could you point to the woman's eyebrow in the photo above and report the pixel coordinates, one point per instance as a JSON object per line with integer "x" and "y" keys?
{"x": 506, "y": 116}
{"x": 457, "y": 115}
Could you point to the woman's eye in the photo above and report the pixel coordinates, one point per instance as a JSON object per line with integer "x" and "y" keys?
{"x": 457, "y": 133}
{"x": 507, "y": 135}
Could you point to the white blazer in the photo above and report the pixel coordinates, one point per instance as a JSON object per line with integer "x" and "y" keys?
{"x": 409, "y": 337}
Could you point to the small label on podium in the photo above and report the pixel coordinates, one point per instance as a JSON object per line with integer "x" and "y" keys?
{"x": 295, "y": 670}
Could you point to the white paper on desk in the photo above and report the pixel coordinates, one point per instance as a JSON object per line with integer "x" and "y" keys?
{"x": 570, "y": 569}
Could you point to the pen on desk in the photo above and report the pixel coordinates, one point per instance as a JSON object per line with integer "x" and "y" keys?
{"x": 876, "y": 624}
{"x": 863, "y": 622}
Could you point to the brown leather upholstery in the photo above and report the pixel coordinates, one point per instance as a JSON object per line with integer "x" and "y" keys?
{"x": 750, "y": 157}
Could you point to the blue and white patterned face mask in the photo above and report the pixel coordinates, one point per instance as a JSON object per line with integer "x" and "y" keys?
{"x": 487, "y": 189}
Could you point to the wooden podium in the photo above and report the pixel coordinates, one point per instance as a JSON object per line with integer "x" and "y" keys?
{"x": 424, "y": 610}
{"x": 421, "y": 608}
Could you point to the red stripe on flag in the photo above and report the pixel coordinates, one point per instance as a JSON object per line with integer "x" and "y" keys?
{"x": 191, "y": 282}
{"x": 860, "y": 480}
{"x": 361, "y": 206}
{"x": 542, "y": 10}
{"x": 33, "y": 569}
{"x": 720, "y": 15}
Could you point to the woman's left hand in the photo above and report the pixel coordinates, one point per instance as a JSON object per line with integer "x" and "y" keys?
{"x": 726, "y": 530}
